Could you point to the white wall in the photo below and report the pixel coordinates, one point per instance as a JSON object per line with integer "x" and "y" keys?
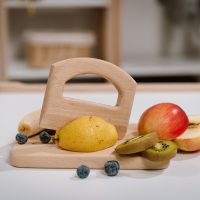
{"x": 141, "y": 25}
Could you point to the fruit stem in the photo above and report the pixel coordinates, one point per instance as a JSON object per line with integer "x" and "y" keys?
{"x": 54, "y": 139}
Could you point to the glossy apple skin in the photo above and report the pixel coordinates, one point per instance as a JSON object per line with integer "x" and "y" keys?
{"x": 168, "y": 120}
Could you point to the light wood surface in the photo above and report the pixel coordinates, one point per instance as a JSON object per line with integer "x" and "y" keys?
{"x": 36, "y": 155}
{"x": 42, "y": 48}
{"x": 58, "y": 110}
{"x": 3, "y": 40}
{"x": 111, "y": 24}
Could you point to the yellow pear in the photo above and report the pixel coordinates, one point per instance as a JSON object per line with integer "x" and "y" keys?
{"x": 87, "y": 134}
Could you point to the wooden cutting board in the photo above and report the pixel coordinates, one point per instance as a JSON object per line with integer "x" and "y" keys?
{"x": 36, "y": 155}
{"x": 58, "y": 110}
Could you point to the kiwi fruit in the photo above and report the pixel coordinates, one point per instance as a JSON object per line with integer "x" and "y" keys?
{"x": 137, "y": 144}
{"x": 162, "y": 150}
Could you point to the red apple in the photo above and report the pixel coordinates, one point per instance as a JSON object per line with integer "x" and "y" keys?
{"x": 168, "y": 120}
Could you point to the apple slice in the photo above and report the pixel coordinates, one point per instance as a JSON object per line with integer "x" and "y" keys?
{"x": 190, "y": 139}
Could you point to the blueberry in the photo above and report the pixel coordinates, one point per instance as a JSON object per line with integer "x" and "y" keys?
{"x": 21, "y": 138}
{"x": 83, "y": 171}
{"x": 45, "y": 137}
{"x": 111, "y": 168}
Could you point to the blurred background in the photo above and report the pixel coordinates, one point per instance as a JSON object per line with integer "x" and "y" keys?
{"x": 153, "y": 40}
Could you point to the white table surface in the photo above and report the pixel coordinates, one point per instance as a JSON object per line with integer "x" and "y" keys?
{"x": 181, "y": 180}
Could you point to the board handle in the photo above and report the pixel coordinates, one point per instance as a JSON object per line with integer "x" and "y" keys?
{"x": 63, "y": 71}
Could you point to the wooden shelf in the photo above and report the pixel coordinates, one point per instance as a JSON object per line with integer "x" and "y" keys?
{"x": 19, "y": 71}
{"x": 106, "y": 26}
{"x": 161, "y": 67}
{"x": 13, "y": 4}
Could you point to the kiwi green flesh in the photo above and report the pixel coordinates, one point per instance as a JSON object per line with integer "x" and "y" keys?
{"x": 137, "y": 144}
{"x": 162, "y": 150}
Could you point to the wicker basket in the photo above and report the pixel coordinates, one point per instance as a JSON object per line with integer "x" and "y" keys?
{"x": 44, "y": 48}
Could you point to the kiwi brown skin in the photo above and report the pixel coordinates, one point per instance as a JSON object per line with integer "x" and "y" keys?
{"x": 154, "y": 155}
{"x": 137, "y": 144}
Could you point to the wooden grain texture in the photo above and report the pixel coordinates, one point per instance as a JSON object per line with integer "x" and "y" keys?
{"x": 111, "y": 35}
{"x": 42, "y": 48}
{"x": 58, "y": 110}
{"x": 36, "y": 155}
{"x": 3, "y": 40}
